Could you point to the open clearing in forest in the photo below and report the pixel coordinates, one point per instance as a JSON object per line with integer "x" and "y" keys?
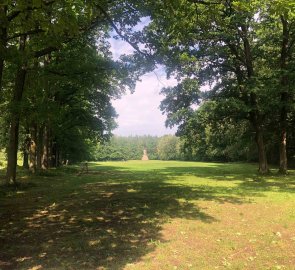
{"x": 149, "y": 215}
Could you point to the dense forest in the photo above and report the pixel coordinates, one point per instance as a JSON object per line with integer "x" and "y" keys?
{"x": 234, "y": 62}
{"x": 57, "y": 79}
{"x": 131, "y": 148}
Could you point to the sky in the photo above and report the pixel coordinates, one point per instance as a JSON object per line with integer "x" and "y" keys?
{"x": 139, "y": 113}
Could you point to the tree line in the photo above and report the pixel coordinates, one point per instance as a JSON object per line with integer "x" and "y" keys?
{"x": 234, "y": 61}
{"x": 57, "y": 78}
{"x": 131, "y": 148}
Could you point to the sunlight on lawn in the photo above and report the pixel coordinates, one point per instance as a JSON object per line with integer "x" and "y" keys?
{"x": 150, "y": 215}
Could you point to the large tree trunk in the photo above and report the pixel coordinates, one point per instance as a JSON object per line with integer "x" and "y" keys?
{"x": 3, "y": 42}
{"x": 283, "y": 150}
{"x": 255, "y": 117}
{"x": 15, "y": 117}
{"x": 26, "y": 160}
{"x": 26, "y": 149}
{"x": 284, "y": 98}
{"x": 12, "y": 151}
{"x": 263, "y": 165}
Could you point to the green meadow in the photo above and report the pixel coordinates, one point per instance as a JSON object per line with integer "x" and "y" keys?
{"x": 149, "y": 215}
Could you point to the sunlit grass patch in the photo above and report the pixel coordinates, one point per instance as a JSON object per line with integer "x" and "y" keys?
{"x": 150, "y": 215}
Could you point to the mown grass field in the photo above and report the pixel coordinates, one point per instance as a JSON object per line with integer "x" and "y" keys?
{"x": 149, "y": 215}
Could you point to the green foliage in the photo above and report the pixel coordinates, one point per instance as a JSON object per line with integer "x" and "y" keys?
{"x": 228, "y": 48}
{"x": 210, "y": 134}
{"x": 131, "y": 148}
{"x": 169, "y": 148}
{"x": 127, "y": 148}
{"x": 70, "y": 75}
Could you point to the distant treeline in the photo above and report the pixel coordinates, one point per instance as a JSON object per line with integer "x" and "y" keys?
{"x": 131, "y": 148}
{"x": 227, "y": 146}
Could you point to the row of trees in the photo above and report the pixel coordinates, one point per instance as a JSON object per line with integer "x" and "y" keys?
{"x": 57, "y": 77}
{"x": 131, "y": 148}
{"x": 243, "y": 51}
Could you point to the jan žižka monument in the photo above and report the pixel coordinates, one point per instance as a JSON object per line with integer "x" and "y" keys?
{"x": 145, "y": 156}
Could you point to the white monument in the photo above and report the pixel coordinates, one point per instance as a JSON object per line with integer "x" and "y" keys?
{"x": 145, "y": 156}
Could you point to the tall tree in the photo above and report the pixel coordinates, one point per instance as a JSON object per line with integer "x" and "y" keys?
{"x": 46, "y": 26}
{"x": 217, "y": 43}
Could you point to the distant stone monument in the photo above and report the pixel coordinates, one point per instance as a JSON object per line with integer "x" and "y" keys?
{"x": 145, "y": 156}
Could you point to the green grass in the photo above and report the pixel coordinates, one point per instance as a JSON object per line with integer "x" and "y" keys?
{"x": 149, "y": 215}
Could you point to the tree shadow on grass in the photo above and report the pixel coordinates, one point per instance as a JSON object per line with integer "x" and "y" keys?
{"x": 103, "y": 220}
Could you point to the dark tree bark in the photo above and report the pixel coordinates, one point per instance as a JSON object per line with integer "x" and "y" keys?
{"x": 283, "y": 167}
{"x": 45, "y": 158}
{"x": 3, "y": 42}
{"x": 15, "y": 117}
{"x": 26, "y": 149}
{"x": 263, "y": 165}
{"x": 40, "y": 147}
{"x": 26, "y": 160}
{"x": 255, "y": 117}
{"x": 53, "y": 152}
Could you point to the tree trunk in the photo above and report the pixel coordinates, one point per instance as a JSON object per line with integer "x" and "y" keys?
{"x": 3, "y": 42}
{"x": 255, "y": 117}
{"x": 53, "y": 154}
{"x": 12, "y": 150}
{"x": 15, "y": 117}
{"x": 50, "y": 151}
{"x": 40, "y": 147}
{"x": 283, "y": 151}
{"x": 26, "y": 150}
{"x": 255, "y": 121}
{"x": 283, "y": 167}
{"x": 56, "y": 157}
{"x": 33, "y": 151}
{"x": 45, "y": 159}
{"x": 1, "y": 71}
{"x": 263, "y": 166}
{"x": 26, "y": 160}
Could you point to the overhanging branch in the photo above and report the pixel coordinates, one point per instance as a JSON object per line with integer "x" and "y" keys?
{"x": 15, "y": 13}
{"x": 109, "y": 19}
{"x": 207, "y": 3}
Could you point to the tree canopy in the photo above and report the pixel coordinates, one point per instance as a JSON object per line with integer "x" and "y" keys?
{"x": 238, "y": 55}
{"x": 234, "y": 62}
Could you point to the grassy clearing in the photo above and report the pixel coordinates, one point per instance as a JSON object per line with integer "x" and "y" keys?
{"x": 150, "y": 215}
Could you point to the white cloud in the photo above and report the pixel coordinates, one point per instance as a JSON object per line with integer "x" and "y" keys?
{"x": 119, "y": 47}
{"x": 139, "y": 113}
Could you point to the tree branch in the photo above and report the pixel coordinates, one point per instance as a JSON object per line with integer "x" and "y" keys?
{"x": 109, "y": 19}
{"x": 36, "y": 31}
{"x": 63, "y": 73}
{"x": 207, "y": 3}
{"x": 15, "y": 13}
{"x": 45, "y": 51}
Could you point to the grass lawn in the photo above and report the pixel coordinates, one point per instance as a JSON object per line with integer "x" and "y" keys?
{"x": 150, "y": 215}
